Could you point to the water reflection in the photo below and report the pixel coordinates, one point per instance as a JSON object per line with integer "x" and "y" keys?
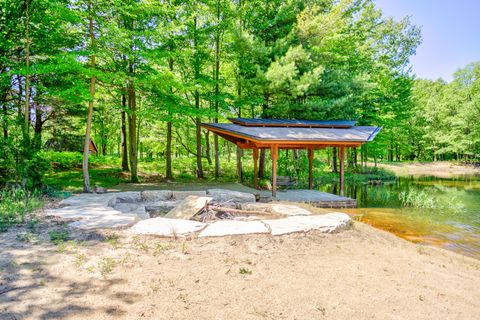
{"x": 442, "y": 212}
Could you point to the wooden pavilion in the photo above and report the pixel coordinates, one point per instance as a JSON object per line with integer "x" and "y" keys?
{"x": 277, "y": 134}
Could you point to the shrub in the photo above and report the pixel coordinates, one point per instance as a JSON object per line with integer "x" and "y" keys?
{"x": 62, "y": 160}
{"x": 15, "y": 204}
{"x": 58, "y": 236}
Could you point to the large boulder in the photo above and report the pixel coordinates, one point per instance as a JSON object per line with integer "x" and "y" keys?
{"x": 276, "y": 208}
{"x": 225, "y": 197}
{"x": 189, "y": 207}
{"x": 156, "y": 195}
{"x": 161, "y": 207}
{"x": 181, "y": 195}
{"x": 327, "y": 223}
{"x": 232, "y": 227}
{"x": 167, "y": 227}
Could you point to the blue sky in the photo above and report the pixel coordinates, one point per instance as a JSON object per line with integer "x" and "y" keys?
{"x": 450, "y": 33}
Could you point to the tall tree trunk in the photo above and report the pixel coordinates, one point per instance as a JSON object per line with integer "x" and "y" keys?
{"x": 334, "y": 160}
{"x": 198, "y": 132}
{"x": 169, "y": 173}
{"x": 217, "y": 90}
{"x": 124, "y": 134}
{"x": 86, "y": 144}
{"x": 5, "y": 122}
{"x": 132, "y": 130}
{"x": 168, "y": 165}
{"x": 26, "y": 124}
{"x": 207, "y": 147}
{"x": 261, "y": 164}
{"x": 37, "y": 136}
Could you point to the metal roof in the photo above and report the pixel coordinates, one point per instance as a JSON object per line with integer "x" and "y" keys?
{"x": 322, "y": 135}
{"x": 253, "y": 122}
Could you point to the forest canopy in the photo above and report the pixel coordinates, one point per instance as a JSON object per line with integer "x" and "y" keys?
{"x": 138, "y": 77}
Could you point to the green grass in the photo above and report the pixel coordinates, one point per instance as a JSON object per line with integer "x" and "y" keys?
{"x": 72, "y": 179}
{"x": 15, "y": 204}
{"x": 106, "y": 172}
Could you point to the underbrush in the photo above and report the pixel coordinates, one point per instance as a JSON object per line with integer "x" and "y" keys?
{"x": 15, "y": 204}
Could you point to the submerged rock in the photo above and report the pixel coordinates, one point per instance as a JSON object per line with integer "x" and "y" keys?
{"x": 189, "y": 207}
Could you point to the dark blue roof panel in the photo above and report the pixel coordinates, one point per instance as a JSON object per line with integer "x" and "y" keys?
{"x": 254, "y": 122}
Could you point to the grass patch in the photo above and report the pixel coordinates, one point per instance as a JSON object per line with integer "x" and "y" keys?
{"x": 244, "y": 271}
{"x": 106, "y": 266}
{"x": 58, "y": 236}
{"x": 15, "y": 204}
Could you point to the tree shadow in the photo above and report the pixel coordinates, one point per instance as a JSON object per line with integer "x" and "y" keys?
{"x": 24, "y": 275}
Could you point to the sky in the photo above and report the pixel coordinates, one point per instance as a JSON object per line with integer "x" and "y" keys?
{"x": 450, "y": 33}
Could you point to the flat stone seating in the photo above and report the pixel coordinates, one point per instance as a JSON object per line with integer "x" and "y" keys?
{"x": 127, "y": 210}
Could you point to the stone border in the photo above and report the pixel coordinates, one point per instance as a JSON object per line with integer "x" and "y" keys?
{"x": 94, "y": 211}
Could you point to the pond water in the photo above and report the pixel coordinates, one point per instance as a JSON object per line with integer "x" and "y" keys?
{"x": 427, "y": 210}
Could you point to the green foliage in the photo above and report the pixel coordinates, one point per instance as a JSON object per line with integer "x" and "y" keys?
{"x": 58, "y": 237}
{"x": 15, "y": 204}
{"x": 417, "y": 199}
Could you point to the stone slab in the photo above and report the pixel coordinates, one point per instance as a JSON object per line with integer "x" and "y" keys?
{"x": 108, "y": 221}
{"x": 156, "y": 195}
{"x": 283, "y": 209}
{"x": 181, "y": 195}
{"x": 328, "y": 223}
{"x": 231, "y": 227}
{"x": 229, "y": 196}
{"x": 167, "y": 227}
{"x": 189, "y": 207}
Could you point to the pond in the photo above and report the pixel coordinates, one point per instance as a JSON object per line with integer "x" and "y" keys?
{"x": 427, "y": 210}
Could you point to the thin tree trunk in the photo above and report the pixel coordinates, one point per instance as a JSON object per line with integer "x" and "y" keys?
{"x": 334, "y": 160}
{"x": 169, "y": 173}
{"x": 132, "y": 131}
{"x": 207, "y": 147}
{"x": 27, "y": 77}
{"x": 86, "y": 145}
{"x": 37, "y": 137}
{"x": 168, "y": 165}
{"x": 124, "y": 134}
{"x": 217, "y": 90}
{"x": 261, "y": 164}
{"x": 198, "y": 132}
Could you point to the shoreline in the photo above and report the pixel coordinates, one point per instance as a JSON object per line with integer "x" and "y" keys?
{"x": 440, "y": 169}
{"x": 360, "y": 273}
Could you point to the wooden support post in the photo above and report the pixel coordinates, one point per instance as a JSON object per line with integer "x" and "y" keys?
{"x": 341, "y": 157}
{"x": 274, "y": 155}
{"x": 255, "y": 168}
{"x": 310, "y": 167}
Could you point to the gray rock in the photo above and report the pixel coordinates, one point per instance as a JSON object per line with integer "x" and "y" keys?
{"x": 156, "y": 195}
{"x": 127, "y": 207}
{"x": 188, "y": 207}
{"x": 167, "y": 227}
{"x": 99, "y": 190}
{"x": 161, "y": 207}
{"x": 276, "y": 208}
{"x": 181, "y": 195}
{"x": 328, "y": 223}
{"x": 228, "y": 196}
{"x": 231, "y": 227}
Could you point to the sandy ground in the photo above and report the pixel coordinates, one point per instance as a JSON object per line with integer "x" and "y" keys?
{"x": 360, "y": 273}
{"x": 441, "y": 169}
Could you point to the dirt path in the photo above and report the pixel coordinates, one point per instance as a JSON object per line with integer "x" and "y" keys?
{"x": 441, "y": 169}
{"x": 362, "y": 273}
